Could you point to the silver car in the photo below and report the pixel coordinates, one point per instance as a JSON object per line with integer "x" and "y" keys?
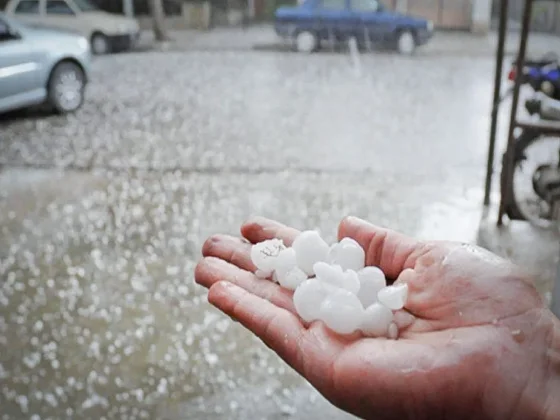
{"x": 41, "y": 66}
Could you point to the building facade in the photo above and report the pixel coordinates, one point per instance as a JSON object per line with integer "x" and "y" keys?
{"x": 471, "y": 15}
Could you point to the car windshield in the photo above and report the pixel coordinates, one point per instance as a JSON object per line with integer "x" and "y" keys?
{"x": 86, "y": 5}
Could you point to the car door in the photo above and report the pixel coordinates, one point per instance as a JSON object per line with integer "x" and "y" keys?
{"x": 334, "y": 19}
{"x": 20, "y": 70}
{"x": 61, "y": 14}
{"x": 373, "y": 24}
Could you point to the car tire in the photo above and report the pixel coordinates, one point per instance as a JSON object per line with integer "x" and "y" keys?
{"x": 66, "y": 88}
{"x": 406, "y": 43}
{"x": 99, "y": 44}
{"x": 306, "y": 42}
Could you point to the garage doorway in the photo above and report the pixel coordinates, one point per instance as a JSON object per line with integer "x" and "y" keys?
{"x": 447, "y": 14}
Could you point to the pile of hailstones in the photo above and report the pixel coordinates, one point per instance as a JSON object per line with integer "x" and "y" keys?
{"x": 332, "y": 284}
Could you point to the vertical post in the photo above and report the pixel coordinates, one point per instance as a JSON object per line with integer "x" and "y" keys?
{"x": 128, "y": 8}
{"x": 331, "y": 38}
{"x": 513, "y": 117}
{"x": 251, "y": 7}
{"x": 367, "y": 38}
{"x": 496, "y": 99}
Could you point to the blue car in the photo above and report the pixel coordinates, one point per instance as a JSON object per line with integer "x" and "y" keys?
{"x": 368, "y": 21}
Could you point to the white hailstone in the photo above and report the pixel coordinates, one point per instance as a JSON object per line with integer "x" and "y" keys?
{"x": 393, "y": 297}
{"x": 329, "y": 273}
{"x": 351, "y": 282}
{"x": 334, "y": 275}
{"x": 288, "y": 274}
{"x": 348, "y": 254}
{"x": 393, "y": 331}
{"x": 376, "y": 320}
{"x": 372, "y": 280}
{"x": 310, "y": 248}
{"x": 308, "y": 298}
{"x": 292, "y": 278}
{"x": 264, "y": 254}
{"x": 285, "y": 261}
{"x": 341, "y": 311}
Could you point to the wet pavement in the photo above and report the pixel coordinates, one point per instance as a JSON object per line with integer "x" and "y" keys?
{"x": 102, "y": 215}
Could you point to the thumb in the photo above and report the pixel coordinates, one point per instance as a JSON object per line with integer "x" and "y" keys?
{"x": 389, "y": 250}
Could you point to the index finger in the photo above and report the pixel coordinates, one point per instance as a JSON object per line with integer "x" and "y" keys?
{"x": 391, "y": 251}
{"x": 260, "y": 229}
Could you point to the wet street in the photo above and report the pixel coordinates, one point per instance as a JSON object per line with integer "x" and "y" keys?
{"x": 103, "y": 213}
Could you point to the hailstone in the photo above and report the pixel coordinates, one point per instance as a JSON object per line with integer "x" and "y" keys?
{"x": 376, "y": 320}
{"x": 328, "y": 273}
{"x": 348, "y": 254}
{"x": 343, "y": 287}
{"x": 285, "y": 261}
{"x": 393, "y": 297}
{"x": 341, "y": 311}
{"x": 292, "y": 278}
{"x": 308, "y": 298}
{"x": 334, "y": 275}
{"x": 310, "y": 248}
{"x": 264, "y": 254}
{"x": 372, "y": 280}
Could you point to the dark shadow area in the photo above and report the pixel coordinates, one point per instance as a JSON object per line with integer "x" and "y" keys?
{"x": 36, "y": 112}
{"x": 338, "y": 48}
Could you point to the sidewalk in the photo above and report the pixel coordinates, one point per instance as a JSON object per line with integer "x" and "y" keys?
{"x": 263, "y": 37}
{"x": 535, "y": 250}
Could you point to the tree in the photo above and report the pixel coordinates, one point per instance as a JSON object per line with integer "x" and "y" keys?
{"x": 158, "y": 18}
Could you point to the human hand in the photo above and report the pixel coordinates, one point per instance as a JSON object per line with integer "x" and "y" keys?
{"x": 476, "y": 340}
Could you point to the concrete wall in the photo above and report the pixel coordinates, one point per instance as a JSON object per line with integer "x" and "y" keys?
{"x": 474, "y": 15}
{"x": 481, "y": 16}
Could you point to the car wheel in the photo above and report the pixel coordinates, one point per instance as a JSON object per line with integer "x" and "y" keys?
{"x": 66, "y": 87}
{"x": 306, "y": 42}
{"x": 406, "y": 44}
{"x": 99, "y": 44}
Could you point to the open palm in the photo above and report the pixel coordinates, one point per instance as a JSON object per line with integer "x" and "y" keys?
{"x": 472, "y": 342}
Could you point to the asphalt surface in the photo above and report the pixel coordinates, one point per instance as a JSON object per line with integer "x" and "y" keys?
{"x": 102, "y": 215}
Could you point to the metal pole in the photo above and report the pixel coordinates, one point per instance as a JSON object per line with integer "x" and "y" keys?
{"x": 367, "y": 38}
{"x": 128, "y": 8}
{"x": 514, "y": 104}
{"x": 496, "y": 100}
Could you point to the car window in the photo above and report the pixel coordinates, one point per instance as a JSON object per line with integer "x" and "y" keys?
{"x": 28, "y": 7}
{"x": 364, "y": 5}
{"x": 332, "y": 4}
{"x": 58, "y": 7}
{"x": 86, "y": 5}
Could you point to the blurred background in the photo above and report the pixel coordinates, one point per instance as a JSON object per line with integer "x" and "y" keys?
{"x": 131, "y": 130}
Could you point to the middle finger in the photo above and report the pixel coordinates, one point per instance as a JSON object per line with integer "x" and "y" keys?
{"x": 211, "y": 270}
